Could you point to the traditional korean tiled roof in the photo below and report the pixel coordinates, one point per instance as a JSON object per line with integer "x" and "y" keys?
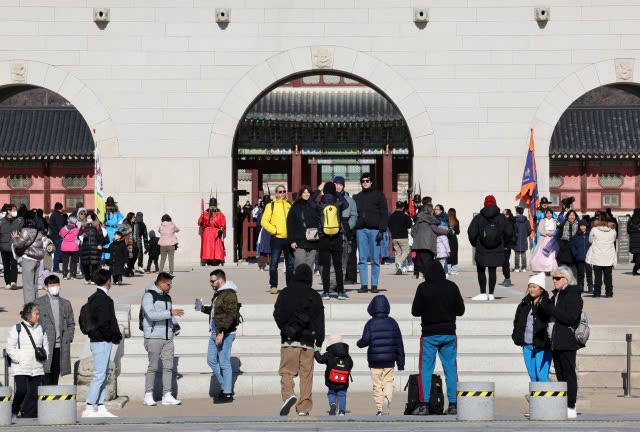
{"x": 44, "y": 133}
{"x": 597, "y": 132}
{"x": 324, "y": 106}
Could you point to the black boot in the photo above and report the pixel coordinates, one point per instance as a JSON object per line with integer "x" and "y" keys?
{"x": 374, "y": 288}
{"x": 453, "y": 409}
{"x": 363, "y": 289}
{"x": 635, "y": 270}
{"x": 225, "y": 398}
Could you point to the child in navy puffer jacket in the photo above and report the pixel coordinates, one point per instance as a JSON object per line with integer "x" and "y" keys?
{"x": 383, "y": 337}
{"x": 580, "y": 245}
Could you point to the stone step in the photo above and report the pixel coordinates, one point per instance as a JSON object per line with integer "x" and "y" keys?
{"x": 190, "y": 385}
{"x": 607, "y": 379}
{"x": 466, "y": 344}
{"x": 197, "y": 363}
{"x": 352, "y": 311}
{"x": 608, "y": 363}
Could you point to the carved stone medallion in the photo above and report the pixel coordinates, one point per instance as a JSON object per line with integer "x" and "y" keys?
{"x": 18, "y": 72}
{"x": 624, "y": 70}
{"x": 322, "y": 57}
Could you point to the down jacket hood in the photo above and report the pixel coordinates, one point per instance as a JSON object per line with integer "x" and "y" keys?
{"x": 436, "y": 274}
{"x": 339, "y": 349}
{"x": 490, "y": 212}
{"x": 379, "y": 306}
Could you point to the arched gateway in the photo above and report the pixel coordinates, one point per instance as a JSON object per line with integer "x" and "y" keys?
{"x": 325, "y": 60}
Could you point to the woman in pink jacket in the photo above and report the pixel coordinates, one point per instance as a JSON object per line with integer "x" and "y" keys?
{"x": 69, "y": 247}
{"x": 168, "y": 241}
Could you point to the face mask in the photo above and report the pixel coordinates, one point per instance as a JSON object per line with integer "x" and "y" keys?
{"x": 54, "y": 290}
{"x": 89, "y": 220}
{"x": 14, "y": 214}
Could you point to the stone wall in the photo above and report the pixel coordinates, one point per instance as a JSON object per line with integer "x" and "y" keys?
{"x": 164, "y": 85}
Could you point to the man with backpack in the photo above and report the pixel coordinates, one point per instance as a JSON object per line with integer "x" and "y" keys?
{"x": 299, "y": 314}
{"x": 331, "y": 231}
{"x": 157, "y": 320}
{"x": 437, "y": 302}
{"x": 98, "y": 321}
{"x": 489, "y": 232}
{"x": 224, "y": 318}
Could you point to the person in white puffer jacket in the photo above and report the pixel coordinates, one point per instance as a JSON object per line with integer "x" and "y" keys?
{"x": 602, "y": 254}
{"x": 28, "y": 372}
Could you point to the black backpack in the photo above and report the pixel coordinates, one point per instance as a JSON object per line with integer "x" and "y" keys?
{"x": 436, "y": 398}
{"x": 85, "y": 319}
{"x": 490, "y": 236}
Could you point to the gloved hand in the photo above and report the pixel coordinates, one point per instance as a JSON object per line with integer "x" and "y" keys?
{"x": 379, "y": 237}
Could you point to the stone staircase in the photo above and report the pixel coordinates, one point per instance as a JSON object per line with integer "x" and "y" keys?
{"x": 485, "y": 351}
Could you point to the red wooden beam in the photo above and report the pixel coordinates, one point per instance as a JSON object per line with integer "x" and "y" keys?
{"x": 387, "y": 177}
{"x": 583, "y": 187}
{"x": 296, "y": 170}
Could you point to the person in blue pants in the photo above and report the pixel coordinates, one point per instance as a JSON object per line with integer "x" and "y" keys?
{"x": 438, "y": 302}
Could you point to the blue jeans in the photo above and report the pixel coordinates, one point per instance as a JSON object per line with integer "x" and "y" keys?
{"x": 219, "y": 360}
{"x": 537, "y": 362}
{"x": 447, "y": 348}
{"x": 445, "y": 266}
{"x": 453, "y": 268}
{"x": 368, "y": 248}
{"x": 101, "y": 352}
{"x": 279, "y": 245}
{"x": 57, "y": 255}
{"x": 342, "y": 399}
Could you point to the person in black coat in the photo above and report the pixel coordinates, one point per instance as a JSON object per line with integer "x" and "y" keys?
{"x": 383, "y": 337}
{"x": 566, "y": 231}
{"x": 153, "y": 251}
{"x": 119, "y": 257}
{"x": 438, "y": 302}
{"x": 299, "y": 314}
{"x": 522, "y": 232}
{"x": 633, "y": 228}
{"x": 530, "y": 329}
{"x": 336, "y": 376}
{"x": 103, "y": 334}
{"x": 56, "y": 222}
{"x": 488, "y": 233}
{"x": 399, "y": 225}
{"x": 509, "y": 243}
{"x": 302, "y": 216}
{"x": 91, "y": 247}
{"x": 141, "y": 239}
{"x": 580, "y": 245}
{"x": 454, "y": 232}
{"x": 564, "y": 311}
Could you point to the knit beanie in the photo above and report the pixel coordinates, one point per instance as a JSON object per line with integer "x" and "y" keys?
{"x": 366, "y": 175}
{"x": 339, "y": 180}
{"x": 329, "y": 188}
{"x": 489, "y": 200}
{"x": 538, "y": 279}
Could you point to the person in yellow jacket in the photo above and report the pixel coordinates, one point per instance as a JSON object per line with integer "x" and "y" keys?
{"x": 274, "y": 220}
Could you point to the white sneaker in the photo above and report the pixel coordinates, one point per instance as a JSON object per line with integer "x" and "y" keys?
{"x": 491, "y": 297}
{"x": 89, "y": 411}
{"x": 572, "y": 413}
{"x": 148, "y": 400}
{"x": 480, "y": 297}
{"x": 168, "y": 399}
{"x": 103, "y": 412}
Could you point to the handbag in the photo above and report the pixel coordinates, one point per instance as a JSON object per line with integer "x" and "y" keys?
{"x": 41, "y": 354}
{"x": 310, "y": 234}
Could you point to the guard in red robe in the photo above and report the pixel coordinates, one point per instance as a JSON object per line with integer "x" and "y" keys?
{"x": 213, "y": 226}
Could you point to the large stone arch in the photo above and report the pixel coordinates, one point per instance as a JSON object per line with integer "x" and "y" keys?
{"x": 30, "y": 72}
{"x": 262, "y": 78}
{"x": 562, "y": 96}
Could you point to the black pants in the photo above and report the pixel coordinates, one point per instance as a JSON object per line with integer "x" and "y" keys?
{"x": 352, "y": 263}
{"x": 116, "y": 277}
{"x": 636, "y": 261}
{"x": 506, "y": 266}
{"x": 153, "y": 260}
{"x": 565, "y": 364}
{"x": 131, "y": 264}
{"x": 52, "y": 377}
{"x": 585, "y": 269}
{"x": 88, "y": 270}
{"x": 482, "y": 279}
{"x": 66, "y": 268}
{"x": 608, "y": 280}
{"x": 330, "y": 249}
{"x": 27, "y": 391}
{"x": 10, "y": 267}
{"x": 140, "y": 255}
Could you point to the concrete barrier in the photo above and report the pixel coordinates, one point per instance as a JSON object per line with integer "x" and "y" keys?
{"x": 548, "y": 400}
{"x": 57, "y": 405}
{"x": 476, "y": 401}
{"x": 5, "y": 406}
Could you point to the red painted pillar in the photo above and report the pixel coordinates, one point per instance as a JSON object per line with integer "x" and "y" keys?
{"x": 296, "y": 170}
{"x": 583, "y": 187}
{"x": 314, "y": 174}
{"x": 387, "y": 177}
{"x": 637, "y": 184}
{"x": 255, "y": 182}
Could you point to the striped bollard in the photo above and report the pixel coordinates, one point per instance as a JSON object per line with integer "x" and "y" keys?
{"x": 548, "y": 400}
{"x": 5, "y": 405}
{"x": 57, "y": 405}
{"x": 476, "y": 401}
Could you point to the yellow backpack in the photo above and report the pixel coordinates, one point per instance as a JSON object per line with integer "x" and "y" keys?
{"x": 330, "y": 220}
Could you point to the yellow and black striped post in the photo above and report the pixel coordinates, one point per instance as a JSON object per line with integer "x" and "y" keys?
{"x": 548, "y": 401}
{"x": 5, "y": 405}
{"x": 476, "y": 401}
{"x": 57, "y": 405}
